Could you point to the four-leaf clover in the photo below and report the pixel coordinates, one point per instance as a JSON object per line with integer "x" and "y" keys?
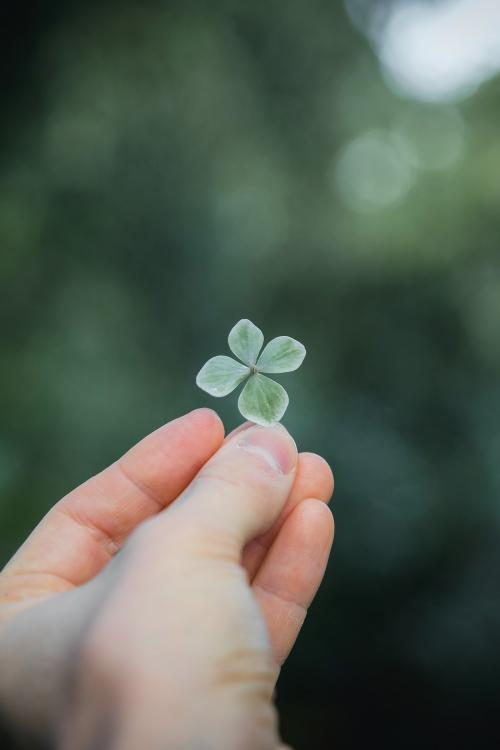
{"x": 262, "y": 400}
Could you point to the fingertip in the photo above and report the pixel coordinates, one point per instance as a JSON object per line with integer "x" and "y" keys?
{"x": 190, "y": 440}
{"x": 206, "y": 422}
{"x": 317, "y": 517}
{"x": 209, "y": 418}
{"x": 320, "y": 480}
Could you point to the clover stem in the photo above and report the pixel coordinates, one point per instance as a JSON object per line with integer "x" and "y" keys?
{"x": 253, "y": 370}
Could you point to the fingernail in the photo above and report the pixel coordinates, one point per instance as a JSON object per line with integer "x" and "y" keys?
{"x": 273, "y": 444}
{"x": 241, "y": 428}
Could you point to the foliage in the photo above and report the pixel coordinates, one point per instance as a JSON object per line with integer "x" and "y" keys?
{"x": 262, "y": 400}
{"x": 166, "y": 166}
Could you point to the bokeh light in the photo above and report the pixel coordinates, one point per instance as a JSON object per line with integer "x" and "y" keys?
{"x": 371, "y": 172}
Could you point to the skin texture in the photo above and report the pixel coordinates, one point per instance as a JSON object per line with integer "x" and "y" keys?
{"x": 177, "y": 641}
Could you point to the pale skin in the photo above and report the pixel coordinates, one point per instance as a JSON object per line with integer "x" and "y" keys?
{"x": 176, "y": 643}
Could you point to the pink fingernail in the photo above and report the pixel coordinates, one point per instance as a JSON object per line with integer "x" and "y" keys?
{"x": 274, "y": 444}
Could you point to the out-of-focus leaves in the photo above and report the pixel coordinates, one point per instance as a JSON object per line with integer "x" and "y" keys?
{"x": 166, "y": 169}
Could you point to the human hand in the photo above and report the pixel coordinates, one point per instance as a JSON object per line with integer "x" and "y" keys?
{"x": 176, "y": 642}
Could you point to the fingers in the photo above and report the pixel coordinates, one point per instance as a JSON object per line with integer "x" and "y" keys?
{"x": 242, "y": 489}
{"x": 80, "y": 534}
{"x": 313, "y": 478}
{"x": 292, "y": 571}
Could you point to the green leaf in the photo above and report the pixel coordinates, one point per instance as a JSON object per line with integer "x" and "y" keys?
{"x": 245, "y": 341}
{"x": 262, "y": 400}
{"x": 220, "y": 375}
{"x": 282, "y": 354}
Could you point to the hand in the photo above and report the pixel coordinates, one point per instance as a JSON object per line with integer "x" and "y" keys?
{"x": 176, "y": 642}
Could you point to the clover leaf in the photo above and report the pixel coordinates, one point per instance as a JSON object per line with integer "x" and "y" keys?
{"x": 262, "y": 400}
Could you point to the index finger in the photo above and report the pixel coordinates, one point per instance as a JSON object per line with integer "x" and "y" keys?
{"x": 82, "y": 531}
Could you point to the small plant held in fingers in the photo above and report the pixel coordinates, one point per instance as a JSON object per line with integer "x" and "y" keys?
{"x": 262, "y": 400}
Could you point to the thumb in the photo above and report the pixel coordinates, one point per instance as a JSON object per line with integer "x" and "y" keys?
{"x": 241, "y": 490}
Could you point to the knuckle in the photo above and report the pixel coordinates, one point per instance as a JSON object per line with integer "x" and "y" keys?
{"x": 182, "y": 537}
{"x": 250, "y": 667}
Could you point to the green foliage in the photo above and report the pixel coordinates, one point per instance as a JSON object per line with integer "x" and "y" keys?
{"x": 165, "y": 166}
{"x": 262, "y": 400}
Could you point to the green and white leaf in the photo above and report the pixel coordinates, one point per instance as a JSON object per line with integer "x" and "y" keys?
{"x": 262, "y": 400}
{"x": 220, "y": 375}
{"x": 282, "y": 354}
{"x": 245, "y": 341}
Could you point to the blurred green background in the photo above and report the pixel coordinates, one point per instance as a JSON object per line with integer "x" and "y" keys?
{"x": 167, "y": 168}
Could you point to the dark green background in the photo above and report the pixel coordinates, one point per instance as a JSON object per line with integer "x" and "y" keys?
{"x": 168, "y": 168}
